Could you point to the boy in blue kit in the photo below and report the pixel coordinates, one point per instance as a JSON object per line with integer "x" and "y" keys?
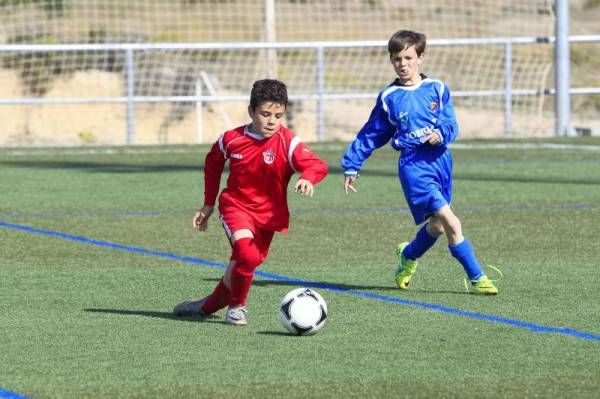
{"x": 416, "y": 113}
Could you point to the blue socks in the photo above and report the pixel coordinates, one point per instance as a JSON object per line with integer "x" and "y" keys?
{"x": 422, "y": 242}
{"x": 464, "y": 253}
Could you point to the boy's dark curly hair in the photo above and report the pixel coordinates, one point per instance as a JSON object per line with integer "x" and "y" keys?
{"x": 268, "y": 90}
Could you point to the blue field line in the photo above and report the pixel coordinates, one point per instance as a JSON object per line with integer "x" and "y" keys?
{"x": 437, "y": 307}
{"x": 4, "y": 394}
{"x": 107, "y": 244}
{"x": 329, "y": 287}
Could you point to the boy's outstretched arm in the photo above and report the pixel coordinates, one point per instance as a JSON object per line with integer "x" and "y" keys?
{"x": 376, "y": 132}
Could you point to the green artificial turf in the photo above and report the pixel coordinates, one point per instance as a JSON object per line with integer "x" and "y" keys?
{"x": 98, "y": 246}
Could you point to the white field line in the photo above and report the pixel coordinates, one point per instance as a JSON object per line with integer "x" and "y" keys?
{"x": 526, "y": 146}
{"x": 20, "y": 152}
{"x": 484, "y": 146}
{"x": 96, "y": 151}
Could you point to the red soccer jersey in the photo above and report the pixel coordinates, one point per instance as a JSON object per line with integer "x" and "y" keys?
{"x": 260, "y": 169}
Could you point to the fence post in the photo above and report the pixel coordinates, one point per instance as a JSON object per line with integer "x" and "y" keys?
{"x": 508, "y": 89}
{"x": 562, "y": 71}
{"x": 130, "y": 93}
{"x": 199, "y": 116}
{"x": 270, "y": 37}
{"x": 320, "y": 93}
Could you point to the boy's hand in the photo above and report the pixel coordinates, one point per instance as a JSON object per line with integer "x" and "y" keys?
{"x": 201, "y": 217}
{"x": 304, "y": 187}
{"x": 349, "y": 183}
{"x": 432, "y": 138}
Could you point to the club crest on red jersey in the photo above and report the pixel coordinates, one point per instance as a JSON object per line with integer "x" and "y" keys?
{"x": 269, "y": 156}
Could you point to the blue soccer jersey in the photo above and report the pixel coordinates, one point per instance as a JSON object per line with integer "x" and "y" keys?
{"x": 406, "y": 115}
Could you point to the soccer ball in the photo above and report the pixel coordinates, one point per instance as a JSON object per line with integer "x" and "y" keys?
{"x": 303, "y": 311}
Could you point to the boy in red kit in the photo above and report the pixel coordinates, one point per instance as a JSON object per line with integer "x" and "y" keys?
{"x": 263, "y": 156}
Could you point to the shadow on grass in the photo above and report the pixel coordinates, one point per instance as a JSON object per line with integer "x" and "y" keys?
{"x": 264, "y": 282}
{"x": 347, "y": 288}
{"x": 124, "y": 167}
{"x": 278, "y": 333}
{"x": 342, "y": 288}
{"x": 155, "y": 314}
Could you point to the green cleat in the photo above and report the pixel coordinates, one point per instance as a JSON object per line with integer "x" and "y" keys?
{"x": 483, "y": 286}
{"x": 406, "y": 268}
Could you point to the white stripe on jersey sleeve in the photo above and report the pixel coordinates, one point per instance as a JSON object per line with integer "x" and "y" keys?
{"x": 385, "y": 93}
{"x": 293, "y": 144}
{"x": 220, "y": 141}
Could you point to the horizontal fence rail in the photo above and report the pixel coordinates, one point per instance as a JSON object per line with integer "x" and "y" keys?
{"x": 320, "y": 96}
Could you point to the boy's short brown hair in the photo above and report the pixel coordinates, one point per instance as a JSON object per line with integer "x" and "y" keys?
{"x": 268, "y": 90}
{"x": 403, "y": 39}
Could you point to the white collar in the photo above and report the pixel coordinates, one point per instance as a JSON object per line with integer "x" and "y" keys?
{"x": 250, "y": 133}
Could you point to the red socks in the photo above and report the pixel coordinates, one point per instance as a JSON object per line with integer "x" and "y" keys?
{"x": 248, "y": 254}
{"x": 217, "y": 300}
{"x": 247, "y": 257}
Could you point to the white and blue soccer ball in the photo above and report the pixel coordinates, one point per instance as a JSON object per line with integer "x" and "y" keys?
{"x": 303, "y": 311}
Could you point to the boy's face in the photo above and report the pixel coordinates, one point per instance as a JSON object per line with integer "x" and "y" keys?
{"x": 406, "y": 64}
{"x": 266, "y": 118}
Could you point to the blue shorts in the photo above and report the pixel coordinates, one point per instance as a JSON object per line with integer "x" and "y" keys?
{"x": 426, "y": 178}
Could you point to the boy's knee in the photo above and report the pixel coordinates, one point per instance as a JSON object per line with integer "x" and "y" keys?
{"x": 435, "y": 227}
{"x": 449, "y": 221}
{"x": 453, "y": 229}
{"x": 252, "y": 258}
{"x": 456, "y": 225}
{"x": 247, "y": 255}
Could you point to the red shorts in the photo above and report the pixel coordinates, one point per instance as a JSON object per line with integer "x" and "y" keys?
{"x": 234, "y": 220}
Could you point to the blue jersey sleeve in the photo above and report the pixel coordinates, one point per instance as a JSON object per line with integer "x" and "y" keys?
{"x": 374, "y": 134}
{"x": 446, "y": 121}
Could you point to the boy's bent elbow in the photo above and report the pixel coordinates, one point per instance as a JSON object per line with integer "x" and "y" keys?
{"x": 447, "y": 132}
{"x": 324, "y": 171}
{"x": 316, "y": 174}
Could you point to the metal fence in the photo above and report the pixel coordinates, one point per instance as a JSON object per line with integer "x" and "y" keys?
{"x": 319, "y": 95}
